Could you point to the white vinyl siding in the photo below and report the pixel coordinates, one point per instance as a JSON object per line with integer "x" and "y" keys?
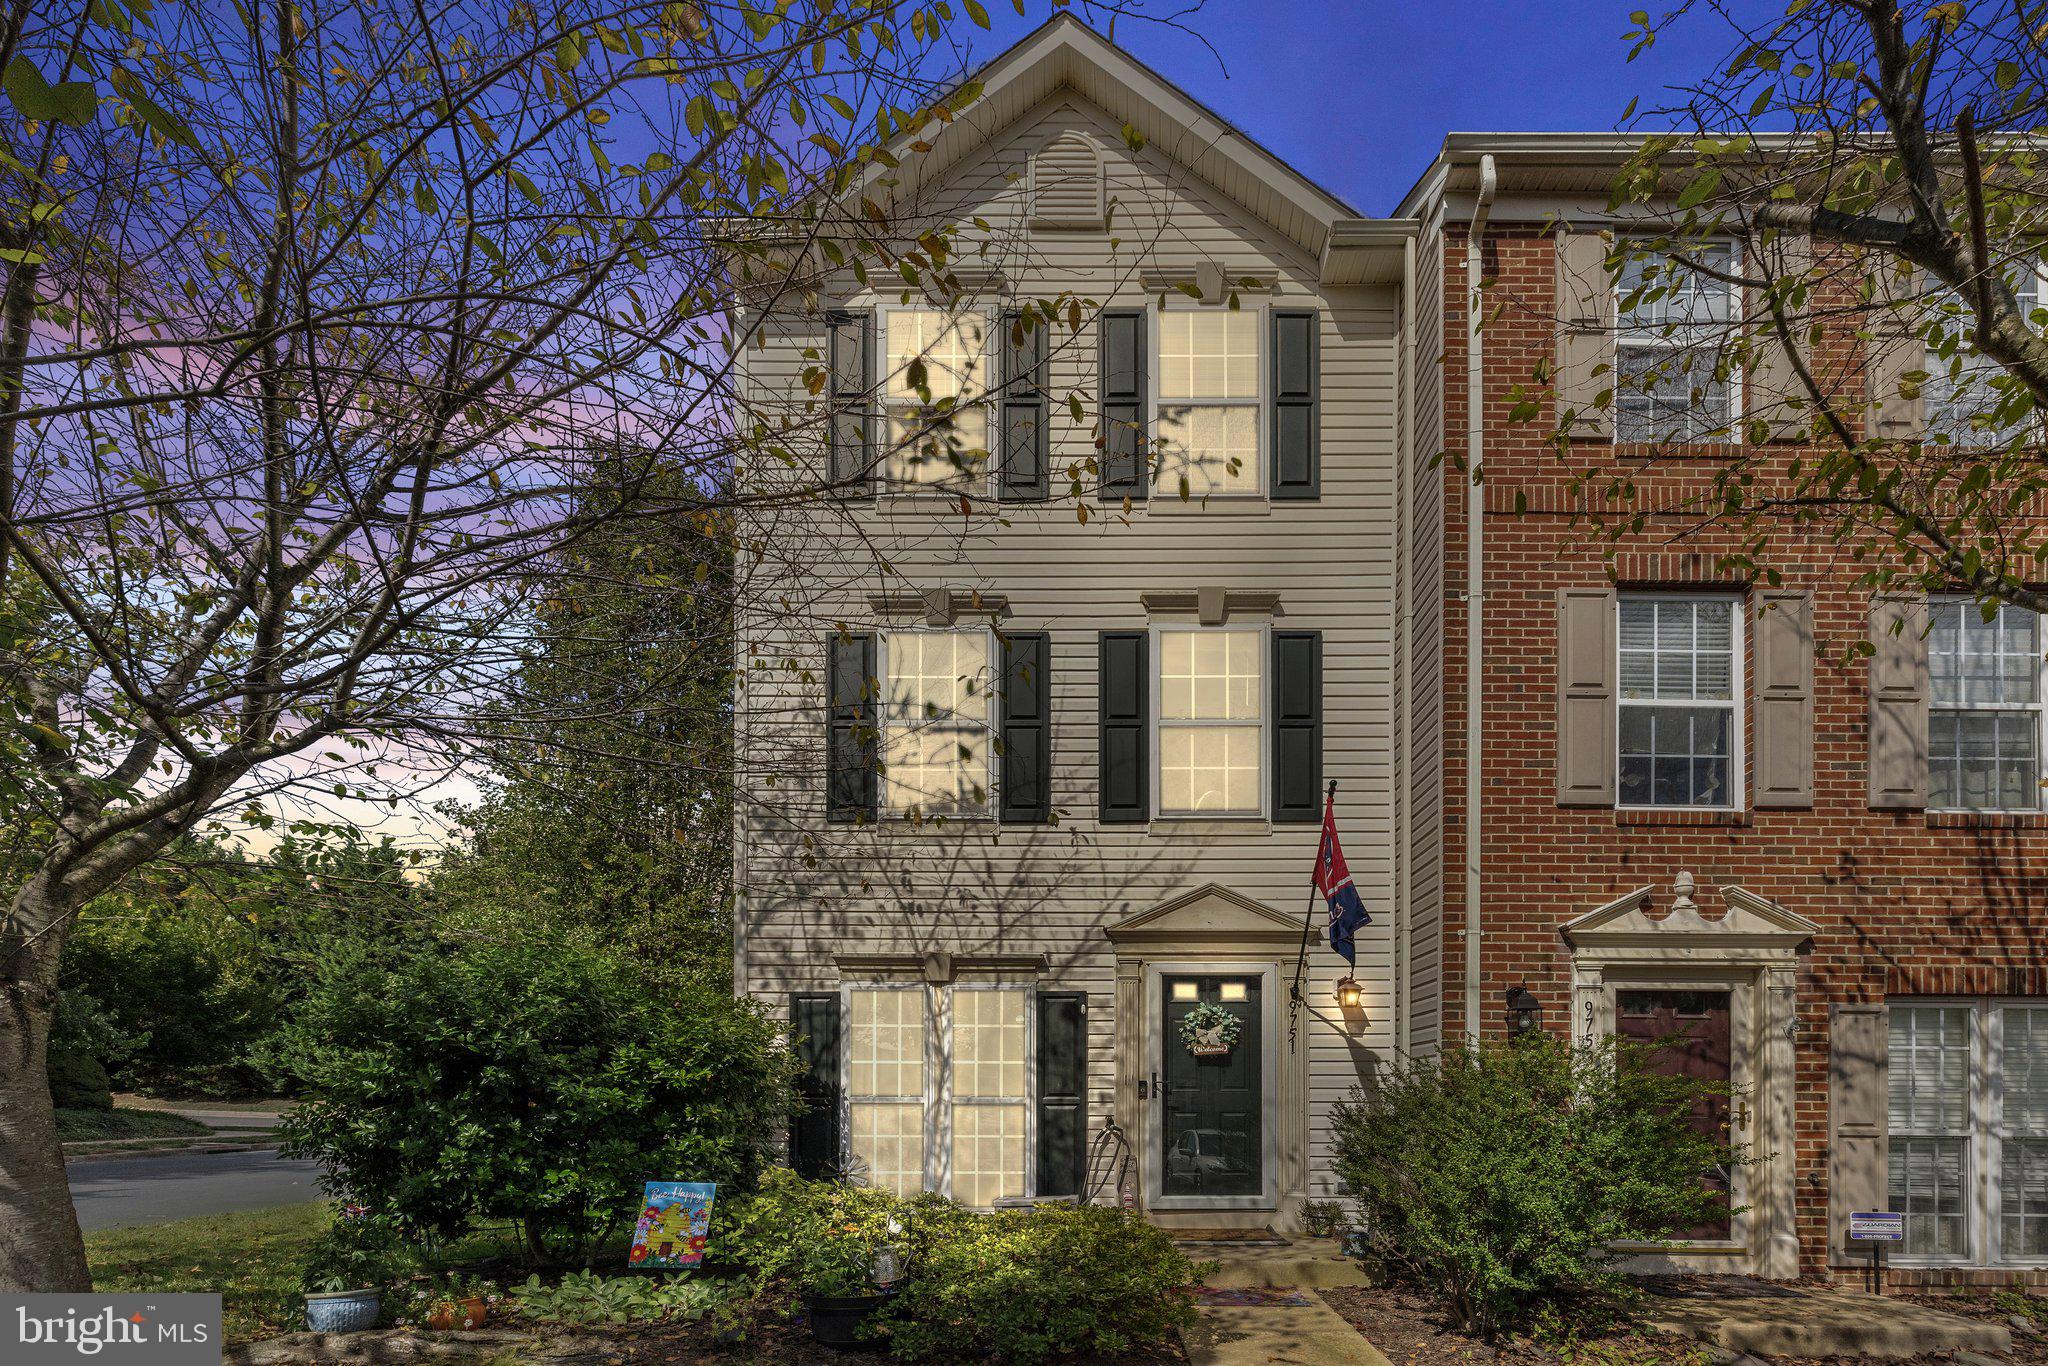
{"x": 1960, "y": 400}
{"x": 1968, "y": 1130}
{"x": 936, "y": 748}
{"x": 1211, "y": 731}
{"x": 1679, "y": 730}
{"x": 1210, "y": 385}
{"x": 1984, "y": 707}
{"x": 1668, "y": 347}
{"x": 943, "y": 442}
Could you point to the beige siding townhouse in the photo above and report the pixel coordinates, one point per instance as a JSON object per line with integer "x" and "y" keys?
{"x": 1034, "y": 748}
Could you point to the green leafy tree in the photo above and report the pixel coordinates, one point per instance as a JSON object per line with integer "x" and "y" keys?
{"x": 315, "y": 316}
{"x": 1880, "y": 166}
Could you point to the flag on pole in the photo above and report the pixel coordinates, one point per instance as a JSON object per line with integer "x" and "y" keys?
{"x": 1333, "y": 882}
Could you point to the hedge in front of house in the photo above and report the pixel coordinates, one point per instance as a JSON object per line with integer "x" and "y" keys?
{"x": 1502, "y": 1177}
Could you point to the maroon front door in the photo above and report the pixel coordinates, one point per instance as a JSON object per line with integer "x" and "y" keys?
{"x": 1693, "y": 1028}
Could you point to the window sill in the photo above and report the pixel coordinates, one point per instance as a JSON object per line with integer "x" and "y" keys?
{"x": 1678, "y": 815}
{"x": 1174, "y": 827}
{"x": 908, "y": 827}
{"x": 1217, "y": 505}
{"x": 939, "y": 502}
{"x": 1678, "y": 450}
{"x": 1987, "y": 820}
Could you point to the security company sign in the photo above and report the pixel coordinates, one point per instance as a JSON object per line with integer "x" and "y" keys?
{"x": 148, "y": 1330}
{"x": 1876, "y": 1226}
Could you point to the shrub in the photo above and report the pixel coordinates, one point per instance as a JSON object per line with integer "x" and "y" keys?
{"x": 78, "y": 1082}
{"x": 1502, "y": 1176}
{"x": 357, "y": 1252}
{"x": 584, "y": 1298}
{"x": 1025, "y": 1285}
{"x": 530, "y": 1076}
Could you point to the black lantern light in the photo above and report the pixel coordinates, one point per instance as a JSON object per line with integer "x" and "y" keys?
{"x": 1525, "y": 1012}
{"x": 1350, "y": 995}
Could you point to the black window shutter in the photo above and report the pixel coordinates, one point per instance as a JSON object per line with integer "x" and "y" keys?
{"x": 1125, "y": 452}
{"x": 814, "y": 1131}
{"x": 1027, "y": 727}
{"x": 1025, "y": 444}
{"x": 852, "y": 364}
{"x": 850, "y": 756}
{"x": 1062, "y": 1091}
{"x": 1297, "y": 404}
{"x": 1297, "y": 726}
{"x": 1125, "y": 791}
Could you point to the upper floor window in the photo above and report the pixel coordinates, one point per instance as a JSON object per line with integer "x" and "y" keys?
{"x": 935, "y": 721}
{"x": 1212, "y": 733}
{"x": 1672, "y": 382}
{"x": 1679, "y": 722}
{"x": 1984, "y": 707}
{"x": 1211, "y": 360}
{"x": 1962, "y": 403}
{"x": 937, "y": 436}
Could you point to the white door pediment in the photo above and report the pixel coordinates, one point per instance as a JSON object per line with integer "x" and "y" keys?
{"x": 1208, "y": 914}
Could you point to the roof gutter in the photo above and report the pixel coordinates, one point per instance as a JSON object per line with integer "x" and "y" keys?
{"x": 1475, "y": 575}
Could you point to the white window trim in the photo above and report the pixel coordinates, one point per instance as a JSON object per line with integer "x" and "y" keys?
{"x": 938, "y": 1077}
{"x": 1265, "y": 723}
{"x": 2039, "y": 706}
{"x": 894, "y": 488}
{"x": 1983, "y": 1170}
{"x": 1162, "y": 496}
{"x": 1654, "y": 338}
{"x": 1930, "y": 361}
{"x": 991, "y": 657}
{"x": 1738, "y": 757}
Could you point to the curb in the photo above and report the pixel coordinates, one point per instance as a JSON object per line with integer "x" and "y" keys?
{"x": 74, "y": 1152}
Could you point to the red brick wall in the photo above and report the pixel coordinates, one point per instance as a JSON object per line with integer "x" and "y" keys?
{"x": 1907, "y": 902}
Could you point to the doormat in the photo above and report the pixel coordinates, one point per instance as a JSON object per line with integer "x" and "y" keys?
{"x": 1249, "y": 1298}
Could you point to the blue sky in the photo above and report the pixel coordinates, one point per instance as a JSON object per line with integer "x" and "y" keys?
{"x": 1359, "y": 95}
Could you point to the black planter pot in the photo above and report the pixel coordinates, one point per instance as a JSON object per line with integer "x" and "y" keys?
{"x": 836, "y": 1319}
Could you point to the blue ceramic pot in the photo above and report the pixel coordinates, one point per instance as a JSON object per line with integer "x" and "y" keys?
{"x": 345, "y": 1311}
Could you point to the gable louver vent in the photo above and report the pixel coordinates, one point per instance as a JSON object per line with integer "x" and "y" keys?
{"x": 1066, "y": 183}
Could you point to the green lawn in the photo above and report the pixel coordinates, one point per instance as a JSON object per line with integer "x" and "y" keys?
{"x": 252, "y": 1259}
{"x": 75, "y": 1126}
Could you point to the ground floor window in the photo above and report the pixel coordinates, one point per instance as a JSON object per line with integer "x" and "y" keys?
{"x": 938, "y": 1083}
{"x": 1968, "y": 1129}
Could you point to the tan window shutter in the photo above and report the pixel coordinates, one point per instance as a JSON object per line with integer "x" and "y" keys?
{"x": 1585, "y": 696}
{"x": 1898, "y": 704}
{"x": 1859, "y": 1157}
{"x": 1585, "y": 336}
{"x": 1896, "y": 359}
{"x": 1772, "y": 389}
{"x": 1784, "y": 699}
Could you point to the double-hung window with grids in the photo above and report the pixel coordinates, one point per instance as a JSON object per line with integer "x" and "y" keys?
{"x": 1968, "y": 1130}
{"x": 1211, "y": 382}
{"x": 1672, "y": 378}
{"x": 1961, "y": 401}
{"x": 1212, "y": 721}
{"x": 937, "y": 432}
{"x": 1679, "y": 726}
{"x": 935, "y": 714}
{"x": 1984, "y": 707}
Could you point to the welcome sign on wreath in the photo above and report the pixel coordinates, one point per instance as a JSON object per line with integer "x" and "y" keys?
{"x": 1209, "y": 1030}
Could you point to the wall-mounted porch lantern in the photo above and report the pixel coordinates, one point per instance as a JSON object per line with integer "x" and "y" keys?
{"x": 1525, "y": 1012}
{"x": 1350, "y": 995}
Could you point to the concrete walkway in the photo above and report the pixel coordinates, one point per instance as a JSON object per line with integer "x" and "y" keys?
{"x": 1306, "y": 1334}
{"x": 1767, "y": 1319}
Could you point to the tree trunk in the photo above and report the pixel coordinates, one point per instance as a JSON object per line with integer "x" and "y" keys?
{"x": 40, "y": 1245}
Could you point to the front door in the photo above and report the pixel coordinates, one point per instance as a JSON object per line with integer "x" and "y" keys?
{"x": 1694, "y": 1029}
{"x": 1211, "y": 1090}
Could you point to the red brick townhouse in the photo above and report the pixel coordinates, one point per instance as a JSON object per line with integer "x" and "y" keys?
{"x": 1664, "y": 800}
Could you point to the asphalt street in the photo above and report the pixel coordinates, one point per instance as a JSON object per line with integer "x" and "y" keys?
{"x": 118, "y": 1192}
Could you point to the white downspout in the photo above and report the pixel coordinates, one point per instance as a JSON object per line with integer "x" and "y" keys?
{"x": 1475, "y": 578}
{"x": 1404, "y": 646}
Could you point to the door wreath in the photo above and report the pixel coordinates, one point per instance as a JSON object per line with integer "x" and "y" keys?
{"x": 1209, "y": 1030}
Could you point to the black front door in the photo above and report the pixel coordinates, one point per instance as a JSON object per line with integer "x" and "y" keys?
{"x": 1212, "y": 1090}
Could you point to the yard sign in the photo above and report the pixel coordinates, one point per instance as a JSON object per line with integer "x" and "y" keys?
{"x": 675, "y": 1217}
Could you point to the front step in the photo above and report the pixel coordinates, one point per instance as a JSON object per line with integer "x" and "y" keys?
{"x": 1283, "y": 1264}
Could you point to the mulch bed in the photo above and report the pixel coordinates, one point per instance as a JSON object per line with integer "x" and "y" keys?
{"x": 791, "y": 1342}
{"x": 1407, "y": 1326}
